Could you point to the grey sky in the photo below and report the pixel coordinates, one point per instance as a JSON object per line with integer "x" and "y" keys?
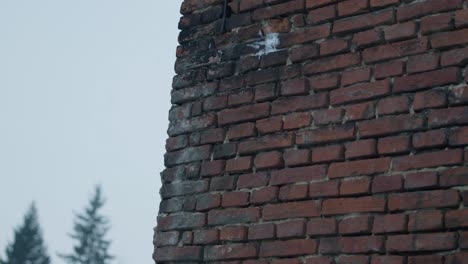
{"x": 84, "y": 96}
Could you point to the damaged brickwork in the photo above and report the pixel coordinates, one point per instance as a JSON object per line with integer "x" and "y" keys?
{"x": 317, "y": 132}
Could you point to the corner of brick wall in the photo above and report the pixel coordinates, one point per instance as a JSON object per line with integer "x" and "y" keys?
{"x": 318, "y": 131}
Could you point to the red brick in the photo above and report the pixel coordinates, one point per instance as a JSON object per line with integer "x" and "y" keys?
{"x": 353, "y": 205}
{"x": 231, "y": 251}
{"x": 352, "y": 7}
{"x": 233, "y": 216}
{"x": 461, "y": 18}
{"x": 367, "y": 38}
{"x": 328, "y": 116}
{"x": 387, "y": 259}
{"x": 428, "y": 160}
{"x": 268, "y": 160}
{"x": 420, "y": 63}
{"x": 454, "y": 57}
{"x": 212, "y": 168}
{"x": 291, "y": 210}
{"x": 264, "y": 195}
{"x": 456, "y": 219}
{"x": 400, "y": 31}
{"x": 261, "y": 231}
{"x": 331, "y": 63}
{"x": 333, "y": 46}
{"x": 346, "y": 259}
{"x": 362, "y": 244}
{"x": 269, "y": 125}
{"x": 360, "y": 111}
{"x": 464, "y": 240}
{"x": 426, "y": 80}
{"x": 233, "y": 233}
{"x": 390, "y": 125}
{"x": 449, "y": 39}
{"x": 459, "y": 136}
{"x": 324, "y": 82}
{"x": 382, "y": 3}
{"x": 355, "y": 186}
{"x": 319, "y": 260}
{"x": 448, "y": 116}
{"x": 304, "y": 52}
{"x": 389, "y": 223}
{"x": 293, "y": 192}
{"x": 264, "y": 143}
{"x": 359, "y": 167}
{"x": 426, "y": 220}
{"x": 428, "y": 259}
{"x": 288, "y": 248}
{"x": 355, "y": 225}
{"x": 454, "y": 177}
{"x": 435, "y": 23}
{"x": 430, "y": 139}
{"x": 361, "y": 22}
{"x": 355, "y": 76}
{"x": 323, "y": 135}
{"x": 241, "y": 131}
{"x": 387, "y": 69}
{"x": 252, "y": 180}
{"x": 235, "y": 199}
{"x": 304, "y": 35}
{"x": 239, "y": 164}
{"x": 294, "y": 228}
{"x": 277, "y": 10}
{"x": 320, "y": 15}
{"x": 456, "y": 258}
{"x": 299, "y": 103}
{"x": 421, "y": 242}
{"x": 360, "y": 92}
{"x": 264, "y": 92}
{"x": 321, "y": 226}
{"x": 312, "y": 4}
{"x": 421, "y": 180}
{"x": 298, "y": 174}
{"x": 387, "y": 183}
{"x": 286, "y": 261}
{"x": 419, "y": 200}
{"x": 296, "y": 157}
{"x": 324, "y": 189}
{"x": 176, "y": 143}
{"x": 393, "y": 105}
{"x": 429, "y": 99}
{"x": 327, "y": 153}
{"x": 295, "y": 87}
{"x": 424, "y": 8}
{"x": 395, "y": 50}
{"x": 242, "y": 97}
{"x": 361, "y": 149}
{"x": 297, "y": 120}
{"x": 249, "y": 4}
{"x": 244, "y": 113}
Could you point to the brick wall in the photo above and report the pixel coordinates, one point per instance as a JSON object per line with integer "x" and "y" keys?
{"x": 318, "y": 131}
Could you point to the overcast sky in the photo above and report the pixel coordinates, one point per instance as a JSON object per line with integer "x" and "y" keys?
{"x": 84, "y": 99}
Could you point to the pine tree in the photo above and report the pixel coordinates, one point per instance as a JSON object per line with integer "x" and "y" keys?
{"x": 28, "y": 245}
{"x": 89, "y": 232}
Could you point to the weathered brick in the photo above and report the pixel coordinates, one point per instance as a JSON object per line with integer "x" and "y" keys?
{"x": 244, "y": 113}
{"x": 353, "y": 205}
{"x": 321, "y": 226}
{"x": 449, "y": 39}
{"x": 331, "y": 63}
{"x": 428, "y": 160}
{"x": 390, "y": 125}
{"x": 231, "y": 251}
{"x": 293, "y": 228}
{"x": 359, "y": 167}
{"x": 428, "y": 7}
{"x": 426, "y": 220}
{"x": 190, "y": 253}
{"x": 299, "y": 103}
{"x": 419, "y": 200}
{"x": 288, "y": 248}
{"x": 264, "y": 143}
{"x": 426, "y": 80}
{"x": 395, "y": 50}
{"x": 361, "y": 22}
{"x": 360, "y": 92}
{"x": 327, "y": 134}
{"x": 390, "y": 223}
{"x": 233, "y": 216}
{"x": 362, "y": 244}
{"x": 421, "y": 242}
{"x": 291, "y": 210}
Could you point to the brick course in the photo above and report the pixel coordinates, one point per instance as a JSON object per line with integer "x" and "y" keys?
{"x": 346, "y": 144}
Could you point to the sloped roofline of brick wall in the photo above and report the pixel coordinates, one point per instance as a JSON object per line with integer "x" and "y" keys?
{"x": 317, "y": 131}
